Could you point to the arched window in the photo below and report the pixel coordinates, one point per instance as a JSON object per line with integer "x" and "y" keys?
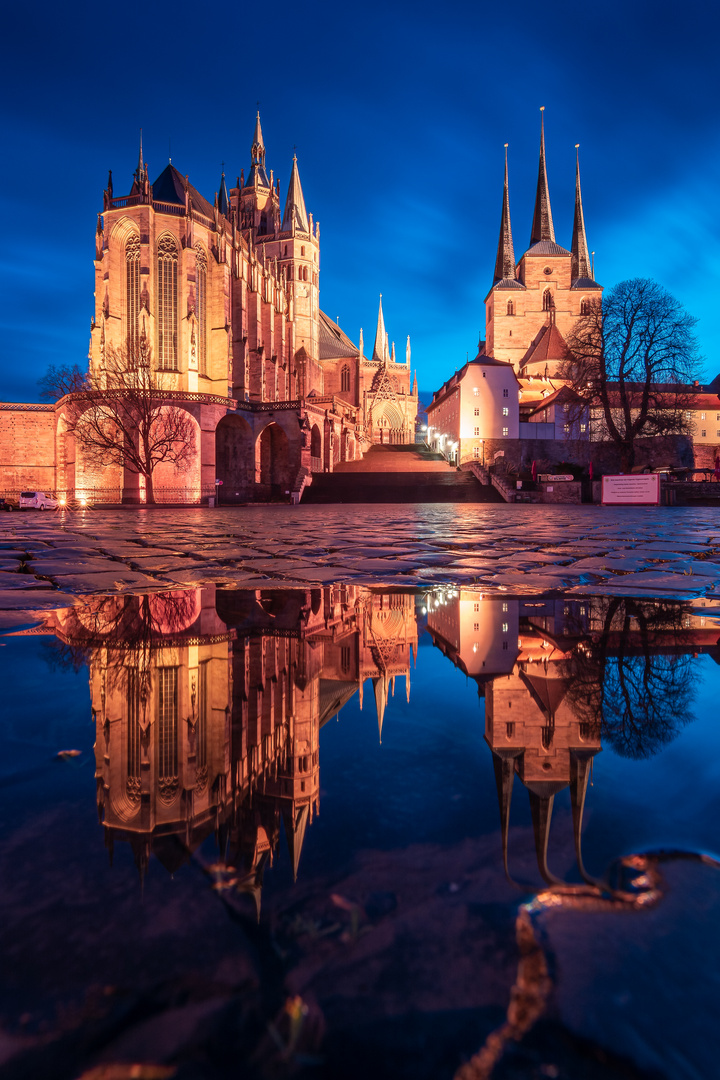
{"x": 132, "y": 292}
{"x": 201, "y": 291}
{"x": 584, "y": 306}
{"x": 167, "y": 305}
{"x": 548, "y": 304}
{"x": 345, "y": 378}
{"x": 167, "y": 730}
{"x": 510, "y": 308}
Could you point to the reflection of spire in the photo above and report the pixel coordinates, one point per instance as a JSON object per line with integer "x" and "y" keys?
{"x": 541, "y": 808}
{"x": 295, "y": 820}
{"x": 580, "y": 764}
{"x": 504, "y": 768}
{"x": 380, "y": 686}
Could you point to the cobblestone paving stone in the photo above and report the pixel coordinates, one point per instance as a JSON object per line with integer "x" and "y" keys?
{"x": 647, "y": 551}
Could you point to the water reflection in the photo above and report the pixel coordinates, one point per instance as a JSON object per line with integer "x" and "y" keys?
{"x": 208, "y": 705}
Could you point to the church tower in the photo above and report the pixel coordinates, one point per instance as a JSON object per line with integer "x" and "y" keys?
{"x": 532, "y": 307}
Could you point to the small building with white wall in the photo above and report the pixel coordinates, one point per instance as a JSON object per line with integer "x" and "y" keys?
{"x": 479, "y": 402}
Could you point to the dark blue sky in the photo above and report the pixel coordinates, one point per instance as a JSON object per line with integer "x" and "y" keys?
{"x": 399, "y": 113}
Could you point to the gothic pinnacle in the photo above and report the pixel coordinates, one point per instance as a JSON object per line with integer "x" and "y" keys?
{"x": 542, "y": 226}
{"x": 505, "y": 262}
{"x": 295, "y": 212}
{"x": 579, "y": 248}
{"x": 379, "y": 347}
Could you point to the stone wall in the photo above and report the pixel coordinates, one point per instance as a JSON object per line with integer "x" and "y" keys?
{"x": 673, "y": 450}
{"x": 27, "y": 448}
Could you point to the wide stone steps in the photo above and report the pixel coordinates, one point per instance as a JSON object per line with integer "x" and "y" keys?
{"x": 398, "y": 487}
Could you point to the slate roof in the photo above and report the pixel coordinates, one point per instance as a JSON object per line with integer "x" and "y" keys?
{"x": 481, "y": 360}
{"x": 508, "y": 283}
{"x": 332, "y": 340}
{"x": 585, "y": 283}
{"x": 550, "y": 345}
{"x": 546, "y": 247}
{"x": 170, "y": 188}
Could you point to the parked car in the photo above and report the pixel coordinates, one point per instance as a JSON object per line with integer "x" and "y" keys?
{"x": 37, "y": 500}
{"x": 8, "y": 504}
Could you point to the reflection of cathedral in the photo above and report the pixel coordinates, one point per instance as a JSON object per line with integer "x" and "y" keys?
{"x": 208, "y": 705}
{"x": 546, "y": 668}
{"x": 208, "y": 709}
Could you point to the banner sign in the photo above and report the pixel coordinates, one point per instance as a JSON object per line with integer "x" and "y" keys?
{"x": 642, "y": 489}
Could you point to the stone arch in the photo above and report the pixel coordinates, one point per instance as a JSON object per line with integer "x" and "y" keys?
{"x": 234, "y": 458}
{"x": 175, "y": 484}
{"x": 274, "y": 473}
{"x": 388, "y": 426}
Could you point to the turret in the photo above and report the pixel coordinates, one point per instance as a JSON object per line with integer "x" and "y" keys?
{"x": 295, "y": 216}
{"x": 581, "y": 269}
{"x": 505, "y": 261}
{"x": 257, "y": 176}
{"x": 542, "y": 226}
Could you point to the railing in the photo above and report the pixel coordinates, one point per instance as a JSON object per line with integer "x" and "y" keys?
{"x": 11, "y": 406}
{"x": 478, "y": 470}
{"x": 316, "y": 464}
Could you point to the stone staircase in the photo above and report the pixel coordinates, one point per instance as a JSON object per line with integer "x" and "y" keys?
{"x": 398, "y": 474}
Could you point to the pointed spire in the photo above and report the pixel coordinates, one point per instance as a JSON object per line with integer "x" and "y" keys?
{"x": 295, "y": 212}
{"x": 392, "y": 353}
{"x": 223, "y": 200}
{"x": 505, "y": 262}
{"x": 415, "y": 385}
{"x": 140, "y": 166}
{"x": 580, "y": 256}
{"x": 257, "y": 158}
{"x": 361, "y": 342}
{"x": 379, "y": 348}
{"x": 381, "y": 689}
{"x": 542, "y": 226}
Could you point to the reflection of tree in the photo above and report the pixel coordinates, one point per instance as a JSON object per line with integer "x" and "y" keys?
{"x": 635, "y": 692}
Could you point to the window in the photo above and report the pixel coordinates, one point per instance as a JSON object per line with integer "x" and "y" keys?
{"x": 505, "y": 607}
{"x": 476, "y": 431}
{"x": 583, "y": 429}
{"x": 548, "y": 301}
{"x": 566, "y": 429}
{"x": 718, "y": 433}
{"x": 345, "y": 658}
{"x": 717, "y": 416}
{"x": 476, "y": 626}
{"x": 484, "y": 375}
{"x": 132, "y": 292}
{"x": 510, "y": 728}
{"x": 167, "y": 308}
{"x": 477, "y": 410}
{"x": 476, "y": 391}
{"x": 506, "y": 411}
{"x": 476, "y": 451}
{"x": 702, "y": 415}
{"x": 345, "y": 378}
{"x": 201, "y": 289}
{"x": 510, "y": 308}
{"x": 584, "y": 307}
{"x": 505, "y": 431}
{"x": 476, "y": 607}
{"x": 505, "y": 628}
{"x": 703, "y": 433}
{"x": 302, "y": 249}
{"x": 506, "y": 393}
{"x": 505, "y": 644}
{"x": 167, "y": 724}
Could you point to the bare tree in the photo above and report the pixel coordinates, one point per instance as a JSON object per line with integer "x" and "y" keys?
{"x": 632, "y": 359}
{"x": 127, "y": 417}
{"x": 59, "y": 381}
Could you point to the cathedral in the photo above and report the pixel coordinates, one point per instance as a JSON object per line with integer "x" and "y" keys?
{"x": 223, "y": 296}
{"x": 227, "y": 294}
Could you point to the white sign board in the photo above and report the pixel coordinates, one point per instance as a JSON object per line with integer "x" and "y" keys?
{"x": 639, "y": 490}
{"x": 551, "y": 478}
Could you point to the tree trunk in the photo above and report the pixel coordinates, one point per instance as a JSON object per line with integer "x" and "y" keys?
{"x": 149, "y": 493}
{"x": 627, "y": 456}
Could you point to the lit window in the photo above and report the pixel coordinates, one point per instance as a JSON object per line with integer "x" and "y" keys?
{"x": 201, "y": 287}
{"x": 476, "y": 607}
{"x": 583, "y": 427}
{"x": 167, "y": 309}
{"x": 702, "y": 415}
{"x": 476, "y": 431}
{"x": 476, "y": 626}
{"x": 477, "y": 411}
{"x": 476, "y": 391}
{"x": 505, "y": 628}
{"x": 505, "y": 607}
{"x": 505, "y": 431}
{"x": 506, "y": 412}
{"x": 566, "y": 429}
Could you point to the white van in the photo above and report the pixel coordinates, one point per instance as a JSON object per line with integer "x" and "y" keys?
{"x": 37, "y": 500}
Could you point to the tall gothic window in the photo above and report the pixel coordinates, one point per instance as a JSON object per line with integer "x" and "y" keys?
{"x": 133, "y": 733}
{"x": 548, "y": 301}
{"x": 132, "y": 292}
{"x": 167, "y": 726}
{"x": 345, "y": 378}
{"x": 510, "y": 308}
{"x": 167, "y": 304}
{"x": 584, "y": 307}
{"x": 201, "y": 288}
